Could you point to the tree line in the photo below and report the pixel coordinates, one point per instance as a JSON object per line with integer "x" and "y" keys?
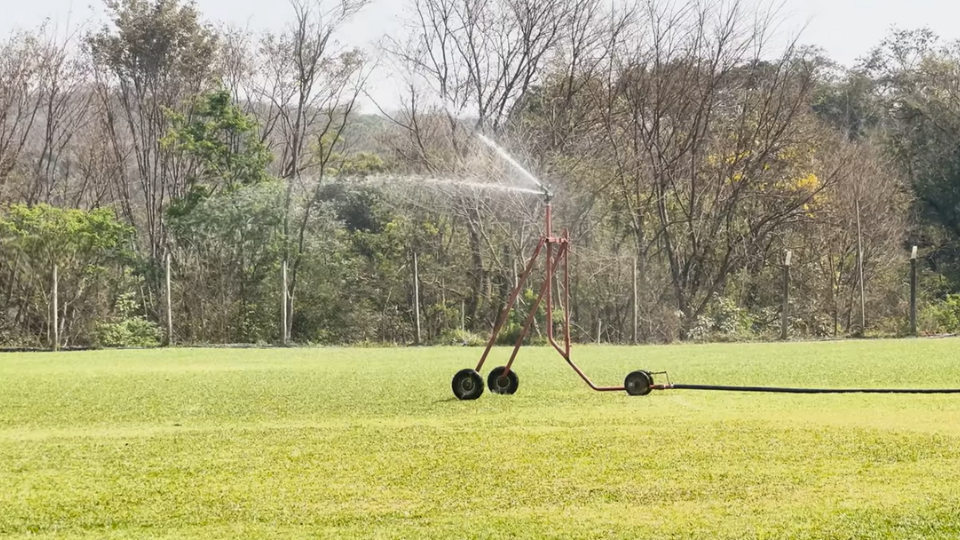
{"x": 687, "y": 154}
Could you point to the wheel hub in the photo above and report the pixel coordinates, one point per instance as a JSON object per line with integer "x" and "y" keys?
{"x": 638, "y": 383}
{"x": 467, "y": 384}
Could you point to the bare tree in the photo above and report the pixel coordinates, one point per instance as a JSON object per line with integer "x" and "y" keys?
{"x": 309, "y": 85}
{"x": 830, "y": 239}
{"x": 21, "y": 98}
{"x": 153, "y": 59}
{"x": 700, "y": 123}
{"x": 64, "y": 78}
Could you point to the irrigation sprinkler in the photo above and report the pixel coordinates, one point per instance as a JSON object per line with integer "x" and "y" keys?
{"x": 468, "y": 384}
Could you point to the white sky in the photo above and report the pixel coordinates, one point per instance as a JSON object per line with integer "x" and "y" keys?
{"x": 846, "y": 29}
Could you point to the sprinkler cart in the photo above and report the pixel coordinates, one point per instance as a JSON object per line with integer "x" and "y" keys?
{"x": 468, "y": 383}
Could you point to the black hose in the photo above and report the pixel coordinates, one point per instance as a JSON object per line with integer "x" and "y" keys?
{"x": 776, "y": 390}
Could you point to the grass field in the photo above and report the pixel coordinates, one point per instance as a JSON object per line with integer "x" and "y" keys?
{"x": 370, "y": 443}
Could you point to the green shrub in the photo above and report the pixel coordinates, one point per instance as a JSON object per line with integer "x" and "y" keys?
{"x": 509, "y": 333}
{"x": 132, "y": 332}
{"x": 942, "y": 317}
{"x": 461, "y": 337}
{"x": 127, "y": 329}
{"x": 723, "y": 320}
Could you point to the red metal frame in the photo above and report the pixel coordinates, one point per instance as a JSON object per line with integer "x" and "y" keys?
{"x": 553, "y": 263}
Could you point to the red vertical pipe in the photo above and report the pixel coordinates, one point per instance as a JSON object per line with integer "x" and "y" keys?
{"x": 566, "y": 294}
{"x": 561, "y": 256}
{"x": 549, "y": 231}
{"x": 549, "y": 276}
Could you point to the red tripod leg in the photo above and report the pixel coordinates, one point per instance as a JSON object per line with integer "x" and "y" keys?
{"x": 590, "y": 383}
{"x": 513, "y": 298}
{"x": 566, "y": 295}
{"x": 526, "y": 326}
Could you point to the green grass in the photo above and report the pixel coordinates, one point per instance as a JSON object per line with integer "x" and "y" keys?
{"x": 369, "y": 443}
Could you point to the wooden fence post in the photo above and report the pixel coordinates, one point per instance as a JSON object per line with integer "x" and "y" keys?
{"x": 913, "y": 291}
{"x": 283, "y": 330}
{"x": 416, "y": 298}
{"x": 863, "y": 302}
{"x": 169, "y": 305}
{"x": 785, "y": 311}
{"x": 56, "y": 312}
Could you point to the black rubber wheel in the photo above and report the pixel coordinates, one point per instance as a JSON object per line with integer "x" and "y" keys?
{"x": 467, "y": 384}
{"x": 638, "y": 383}
{"x": 498, "y": 384}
